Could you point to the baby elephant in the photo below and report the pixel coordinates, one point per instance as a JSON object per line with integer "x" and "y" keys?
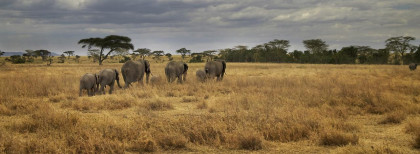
{"x": 155, "y": 80}
{"x": 90, "y": 83}
{"x": 201, "y": 75}
{"x": 107, "y": 77}
{"x": 412, "y": 66}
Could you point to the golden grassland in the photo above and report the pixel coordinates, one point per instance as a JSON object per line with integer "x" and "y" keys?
{"x": 258, "y": 107}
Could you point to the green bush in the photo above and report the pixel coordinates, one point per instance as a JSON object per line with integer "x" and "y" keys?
{"x": 17, "y": 59}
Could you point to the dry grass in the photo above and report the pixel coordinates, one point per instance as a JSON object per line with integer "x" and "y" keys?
{"x": 250, "y": 141}
{"x": 394, "y": 117}
{"x": 273, "y": 108}
{"x": 336, "y": 138}
{"x": 413, "y": 128}
{"x": 158, "y": 105}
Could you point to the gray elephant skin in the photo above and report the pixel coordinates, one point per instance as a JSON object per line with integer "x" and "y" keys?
{"x": 107, "y": 77}
{"x": 215, "y": 68}
{"x": 155, "y": 80}
{"x": 412, "y": 66}
{"x": 90, "y": 83}
{"x": 133, "y": 71}
{"x": 176, "y": 69}
{"x": 201, "y": 75}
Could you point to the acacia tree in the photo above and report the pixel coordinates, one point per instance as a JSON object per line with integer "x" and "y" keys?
{"x": 399, "y": 44}
{"x": 183, "y": 52}
{"x": 158, "y": 54}
{"x": 69, "y": 53}
{"x": 209, "y": 54}
{"x": 169, "y": 55}
{"x": 315, "y": 46}
{"x": 94, "y": 54}
{"x": 29, "y": 55}
{"x": 43, "y": 53}
{"x": 1, "y": 53}
{"x": 111, "y": 43}
{"x": 143, "y": 52}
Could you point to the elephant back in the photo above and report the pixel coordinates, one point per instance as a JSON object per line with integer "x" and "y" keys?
{"x": 412, "y": 66}
{"x": 217, "y": 67}
{"x": 133, "y": 70}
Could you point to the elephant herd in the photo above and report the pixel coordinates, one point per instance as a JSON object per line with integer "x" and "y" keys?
{"x": 134, "y": 71}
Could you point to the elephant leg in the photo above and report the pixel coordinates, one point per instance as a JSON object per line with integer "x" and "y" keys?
{"x": 93, "y": 91}
{"x": 126, "y": 84}
{"x": 184, "y": 77}
{"x": 102, "y": 89}
{"x": 111, "y": 87}
{"x": 180, "y": 79}
{"x": 141, "y": 81}
{"x": 218, "y": 77}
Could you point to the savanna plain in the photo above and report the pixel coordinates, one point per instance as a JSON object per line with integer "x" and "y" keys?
{"x": 258, "y": 107}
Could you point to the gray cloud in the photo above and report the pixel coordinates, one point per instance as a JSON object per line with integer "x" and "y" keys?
{"x": 204, "y": 24}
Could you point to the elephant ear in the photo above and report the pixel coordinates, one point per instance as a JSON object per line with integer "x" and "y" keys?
{"x": 146, "y": 66}
{"x": 185, "y": 67}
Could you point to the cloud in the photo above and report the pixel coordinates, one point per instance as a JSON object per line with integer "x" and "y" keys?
{"x": 206, "y": 24}
{"x": 100, "y": 30}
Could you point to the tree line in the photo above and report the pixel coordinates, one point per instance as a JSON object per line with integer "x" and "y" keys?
{"x": 398, "y": 50}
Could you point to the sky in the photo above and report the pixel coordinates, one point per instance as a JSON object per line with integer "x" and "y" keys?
{"x": 200, "y": 25}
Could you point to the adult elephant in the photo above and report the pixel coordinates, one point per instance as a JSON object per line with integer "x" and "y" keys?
{"x": 215, "y": 68}
{"x": 90, "y": 83}
{"x": 107, "y": 77}
{"x": 133, "y": 71}
{"x": 412, "y": 66}
{"x": 176, "y": 69}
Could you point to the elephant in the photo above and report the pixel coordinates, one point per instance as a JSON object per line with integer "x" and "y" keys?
{"x": 176, "y": 69}
{"x": 107, "y": 77}
{"x": 155, "y": 80}
{"x": 215, "y": 68}
{"x": 90, "y": 83}
{"x": 201, "y": 75}
{"x": 133, "y": 71}
{"x": 412, "y": 66}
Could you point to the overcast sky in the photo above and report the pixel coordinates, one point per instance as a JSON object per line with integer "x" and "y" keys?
{"x": 199, "y": 25}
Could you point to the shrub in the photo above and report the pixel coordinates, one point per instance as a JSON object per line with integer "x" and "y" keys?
{"x": 204, "y": 133}
{"x": 17, "y": 59}
{"x": 189, "y": 99}
{"x": 417, "y": 141}
{"x": 394, "y": 118}
{"x": 335, "y": 138}
{"x": 125, "y": 59}
{"x": 158, "y": 104}
{"x": 287, "y": 132}
{"x": 171, "y": 141}
{"x": 250, "y": 142}
{"x": 202, "y": 105}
